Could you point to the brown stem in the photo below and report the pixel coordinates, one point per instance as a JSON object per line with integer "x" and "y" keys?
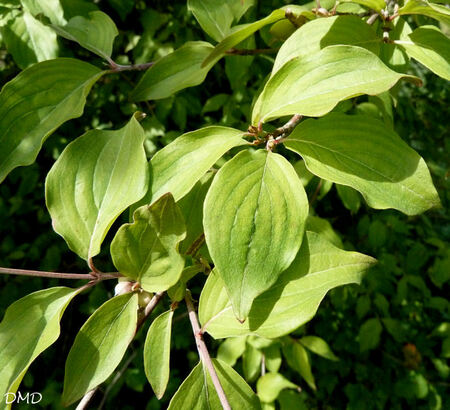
{"x": 84, "y": 403}
{"x": 249, "y": 52}
{"x": 287, "y": 128}
{"x": 203, "y": 352}
{"x": 196, "y": 245}
{"x": 58, "y": 275}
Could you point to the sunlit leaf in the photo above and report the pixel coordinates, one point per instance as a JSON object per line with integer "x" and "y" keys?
{"x": 38, "y": 101}
{"x": 95, "y": 32}
{"x": 99, "y": 346}
{"x": 30, "y": 326}
{"x": 320, "y": 33}
{"x": 426, "y": 8}
{"x": 96, "y": 178}
{"x": 318, "y": 346}
{"x": 376, "y": 5}
{"x": 174, "y": 72}
{"x": 254, "y": 217}
{"x": 146, "y": 250}
{"x": 157, "y": 353}
{"x": 293, "y": 300}
{"x": 197, "y": 391}
{"x": 314, "y": 85}
{"x": 270, "y": 385}
{"x": 298, "y": 359}
{"x": 361, "y": 152}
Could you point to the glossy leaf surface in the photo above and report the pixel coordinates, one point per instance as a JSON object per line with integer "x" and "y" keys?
{"x": 38, "y": 101}
{"x": 147, "y": 249}
{"x": 96, "y": 178}
{"x": 293, "y": 300}
{"x": 361, "y": 152}
{"x": 254, "y": 217}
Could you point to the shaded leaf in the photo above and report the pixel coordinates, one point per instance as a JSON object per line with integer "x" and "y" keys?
{"x": 198, "y": 392}
{"x": 251, "y": 362}
{"x": 369, "y": 334}
{"x": 96, "y": 177}
{"x": 38, "y": 101}
{"x": 349, "y": 197}
{"x": 99, "y": 346}
{"x": 231, "y": 349}
{"x": 157, "y": 353}
{"x": 96, "y": 32}
{"x": 314, "y": 85}
{"x": 174, "y": 72}
{"x": 318, "y": 346}
{"x": 254, "y": 217}
{"x": 318, "y": 267}
{"x": 147, "y": 249}
{"x": 30, "y": 326}
{"x": 298, "y": 359}
{"x": 323, "y": 32}
{"x": 361, "y": 152}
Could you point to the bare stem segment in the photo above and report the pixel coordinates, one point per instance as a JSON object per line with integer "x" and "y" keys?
{"x": 203, "y": 352}
{"x": 59, "y": 275}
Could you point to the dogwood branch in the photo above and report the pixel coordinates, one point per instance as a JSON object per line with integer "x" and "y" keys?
{"x": 203, "y": 352}
{"x": 59, "y": 275}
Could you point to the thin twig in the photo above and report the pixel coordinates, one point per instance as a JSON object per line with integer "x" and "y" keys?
{"x": 249, "y": 52}
{"x": 84, "y": 403}
{"x": 372, "y": 19}
{"x": 196, "y": 245}
{"x": 203, "y": 352}
{"x": 59, "y": 275}
{"x": 116, "y": 378}
{"x": 287, "y": 128}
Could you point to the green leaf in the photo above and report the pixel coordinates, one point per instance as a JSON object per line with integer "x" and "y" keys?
{"x": 429, "y": 46}
{"x": 147, "y": 249}
{"x": 197, "y": 391}
{"x": 99, "y": 346}
{"x": 251, "y": 362}
{"x": 52, "y": 9}
{"x": 376, "y": 5}
{"x": 271, "y": 384}
{"x": 191, "y": 207}
{"x": 239, "y": 35}
{"x": 369, "y": 334}
{"x": 323, "y": 32}
{"x": 30, "y": 326}
{"x": 318, "y": 346}
{"x": 54, "y": 91}
{"x": 29, "y": 41}
{"x": 425, "y": 8}
{"x": 231, "y": 350}
{"x": 293, "y": 301}
{"x": 157, "y": 353}
{"x": 254, "y": 218}
{"x": 298, "y": 359}
{"x": 174, "y": 72}
{"x": 216, "y": 16}
{"x": 361, "y": 152}
{"x": 324, "y": 228}
{"x": 96, "y": 32}
{"x": 178, "y": 166}
{"x": 314, "y": 85}
{"x": 349, "y": 197}
{"x": 391, "y": 54}
{"x": 96, "y": 178}
{"x": 272, "y": 358}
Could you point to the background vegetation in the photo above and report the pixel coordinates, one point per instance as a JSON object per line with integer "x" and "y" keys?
{"x": 391, "y": 335}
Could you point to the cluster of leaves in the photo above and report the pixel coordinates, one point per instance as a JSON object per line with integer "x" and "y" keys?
{"x": 274, "y": 258}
